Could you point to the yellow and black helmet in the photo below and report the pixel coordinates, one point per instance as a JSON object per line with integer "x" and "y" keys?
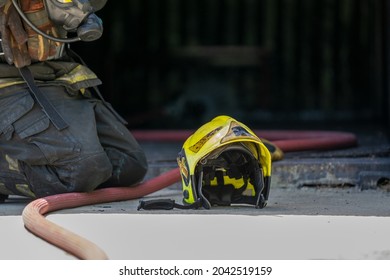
{"x": 225, "y": 163}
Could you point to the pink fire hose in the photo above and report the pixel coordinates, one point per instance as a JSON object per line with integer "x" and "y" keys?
{"x": 33, "y": 214}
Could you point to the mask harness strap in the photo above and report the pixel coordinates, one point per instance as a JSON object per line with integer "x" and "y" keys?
{"x": 76, "y": 57}
{"x": 42, "y": 100}
{"x": 1, "y": 47}
{"x": 166, "y": 204}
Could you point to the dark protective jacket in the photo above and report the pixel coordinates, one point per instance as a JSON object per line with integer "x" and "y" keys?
{"x": 94, "y": 149}
{"x": 50, "y": 61}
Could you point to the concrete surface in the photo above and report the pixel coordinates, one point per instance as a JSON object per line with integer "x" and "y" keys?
{"x": 322, "y": 205}
{"x": 219, "y": 237}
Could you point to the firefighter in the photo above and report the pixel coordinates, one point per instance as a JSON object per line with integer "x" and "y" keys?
{"x": 57, "y": 133}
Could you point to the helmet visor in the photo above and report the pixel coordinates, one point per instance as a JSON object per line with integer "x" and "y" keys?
{"x": 229, "y": 175}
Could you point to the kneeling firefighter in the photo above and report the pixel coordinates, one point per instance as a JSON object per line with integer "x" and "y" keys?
{"x": 57, "y": 134}
{"x": 223, "y": 163}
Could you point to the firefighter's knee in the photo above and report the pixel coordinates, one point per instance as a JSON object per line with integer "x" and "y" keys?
{"x": 91, "y": 172}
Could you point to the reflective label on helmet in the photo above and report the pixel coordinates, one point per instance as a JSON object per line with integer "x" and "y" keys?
{"x": 198, "y": 145}
{"x": 235, "y": 131}
{"x": 183, "y": 166}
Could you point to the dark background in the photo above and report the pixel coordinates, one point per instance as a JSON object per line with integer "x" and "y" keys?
{"x": 268, "y": 63}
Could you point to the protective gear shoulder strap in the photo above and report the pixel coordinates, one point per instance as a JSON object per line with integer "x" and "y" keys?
{"x": 42, "y": 100}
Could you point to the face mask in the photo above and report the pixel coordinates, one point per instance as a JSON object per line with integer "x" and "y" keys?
{"x": 73, "y": 16}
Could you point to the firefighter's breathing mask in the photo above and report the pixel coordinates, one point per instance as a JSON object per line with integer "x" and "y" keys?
{"x": 76, "y": 16}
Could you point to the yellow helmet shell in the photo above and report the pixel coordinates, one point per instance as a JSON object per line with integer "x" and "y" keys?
{"x": 219, "y": 132}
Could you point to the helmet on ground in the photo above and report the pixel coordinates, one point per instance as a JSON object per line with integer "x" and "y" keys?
{"x": 225, "y": 163}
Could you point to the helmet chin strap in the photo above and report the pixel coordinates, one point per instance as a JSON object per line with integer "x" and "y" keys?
{"x": 40, "y": 32}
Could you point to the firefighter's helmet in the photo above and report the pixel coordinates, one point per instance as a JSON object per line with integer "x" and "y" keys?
{"x": 225, "y": 163}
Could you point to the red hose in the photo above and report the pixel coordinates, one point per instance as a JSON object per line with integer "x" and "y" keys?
{"x": 74, "y": 244}
{"x": 287, "y": 141}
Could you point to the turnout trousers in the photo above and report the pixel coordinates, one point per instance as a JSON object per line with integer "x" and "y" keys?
{"x": 36, "y": 159}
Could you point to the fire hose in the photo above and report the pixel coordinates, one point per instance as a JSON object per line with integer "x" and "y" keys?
{"x": 34, "y": 213}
